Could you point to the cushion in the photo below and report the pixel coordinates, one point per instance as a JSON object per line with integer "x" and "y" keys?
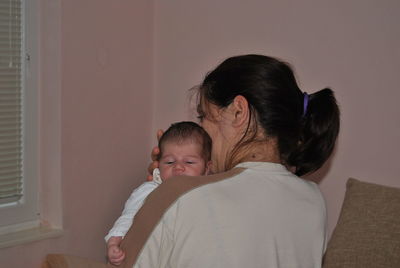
{"x": 368, "y": 230}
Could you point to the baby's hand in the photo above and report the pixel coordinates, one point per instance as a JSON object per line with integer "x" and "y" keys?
{"x": 115, "y": 255}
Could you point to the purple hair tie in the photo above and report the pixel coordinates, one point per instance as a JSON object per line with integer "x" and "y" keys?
{"x": 305, "y": 103}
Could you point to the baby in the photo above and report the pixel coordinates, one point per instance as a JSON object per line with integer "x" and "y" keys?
{"x": 185, "y": 149}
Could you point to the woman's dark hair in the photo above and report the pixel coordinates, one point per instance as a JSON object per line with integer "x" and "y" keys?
{"x": 187, "y": 131}
{"x": 305, "y": 137}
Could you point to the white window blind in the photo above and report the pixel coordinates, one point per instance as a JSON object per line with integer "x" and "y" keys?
{"x": 10, "y": 101}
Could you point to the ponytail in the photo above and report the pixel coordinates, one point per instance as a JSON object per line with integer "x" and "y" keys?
{"x": 304, "y": 126}
{"x": 318, "y": 132}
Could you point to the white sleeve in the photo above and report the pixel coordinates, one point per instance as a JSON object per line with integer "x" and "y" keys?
{"x": 132, "y": 205}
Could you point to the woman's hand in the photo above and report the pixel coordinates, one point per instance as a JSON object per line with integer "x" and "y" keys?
{"x": 154, "y": 156}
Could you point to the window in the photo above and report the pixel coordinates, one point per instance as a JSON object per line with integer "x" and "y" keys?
{"x": 11, "y": 102}
{"x": 25, "y": 217}
{"x": 18, "y": 117}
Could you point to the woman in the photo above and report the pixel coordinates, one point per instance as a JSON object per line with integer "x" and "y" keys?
{"x": 255, "y": 211}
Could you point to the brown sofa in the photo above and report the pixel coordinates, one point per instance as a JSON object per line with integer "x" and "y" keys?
{"x": 367, "y": 234}
{"x": 368, "y": 230}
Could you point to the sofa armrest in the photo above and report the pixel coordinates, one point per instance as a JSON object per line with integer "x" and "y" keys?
{"x": 68, "y": 261}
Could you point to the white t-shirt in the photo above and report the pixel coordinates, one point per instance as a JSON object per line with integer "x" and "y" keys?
{"x": 263, "y": 216}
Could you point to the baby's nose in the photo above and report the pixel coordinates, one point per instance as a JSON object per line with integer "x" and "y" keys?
{"x": 179, "y": 167}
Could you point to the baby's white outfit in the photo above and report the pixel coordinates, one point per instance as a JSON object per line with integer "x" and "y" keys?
{"x": 132, "y": 206}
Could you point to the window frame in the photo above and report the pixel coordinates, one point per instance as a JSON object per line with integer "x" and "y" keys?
{"x": 24, "y": 213}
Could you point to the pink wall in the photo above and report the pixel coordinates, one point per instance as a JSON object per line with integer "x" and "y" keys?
{"x": 112, "y": 56}
{"x": 351, "y": 46}
{"x": 106, "y": 111}
{"x": 106, "y": 93}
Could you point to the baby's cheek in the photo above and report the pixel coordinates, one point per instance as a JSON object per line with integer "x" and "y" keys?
{"x": 163, "y": 172}
{"x": 200, "y": 171}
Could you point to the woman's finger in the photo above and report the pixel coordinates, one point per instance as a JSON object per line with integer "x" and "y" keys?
{"x": 154, "y": 157}
{"x": 160, "y": 132}
{"x": 154, "y": 153}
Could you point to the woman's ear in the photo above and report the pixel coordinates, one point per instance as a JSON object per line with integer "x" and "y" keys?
{"x": 240, "y": 110}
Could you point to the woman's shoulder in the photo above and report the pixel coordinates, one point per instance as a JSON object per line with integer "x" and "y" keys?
{"x": 183, "y": 184}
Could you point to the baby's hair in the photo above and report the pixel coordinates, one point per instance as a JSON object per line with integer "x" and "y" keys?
{"x": 187, "y": 131}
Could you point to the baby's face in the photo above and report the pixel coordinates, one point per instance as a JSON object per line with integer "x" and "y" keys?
{"x": 182, "y": 159}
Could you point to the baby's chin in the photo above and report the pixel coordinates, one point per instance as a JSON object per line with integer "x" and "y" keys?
{"x": 183, "y": 174}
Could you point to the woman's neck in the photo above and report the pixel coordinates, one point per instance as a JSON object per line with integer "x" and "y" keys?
{"x": 265, "y": 151}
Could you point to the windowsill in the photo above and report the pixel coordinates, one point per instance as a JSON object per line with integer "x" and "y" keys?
{"x": 27, "y": 236}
